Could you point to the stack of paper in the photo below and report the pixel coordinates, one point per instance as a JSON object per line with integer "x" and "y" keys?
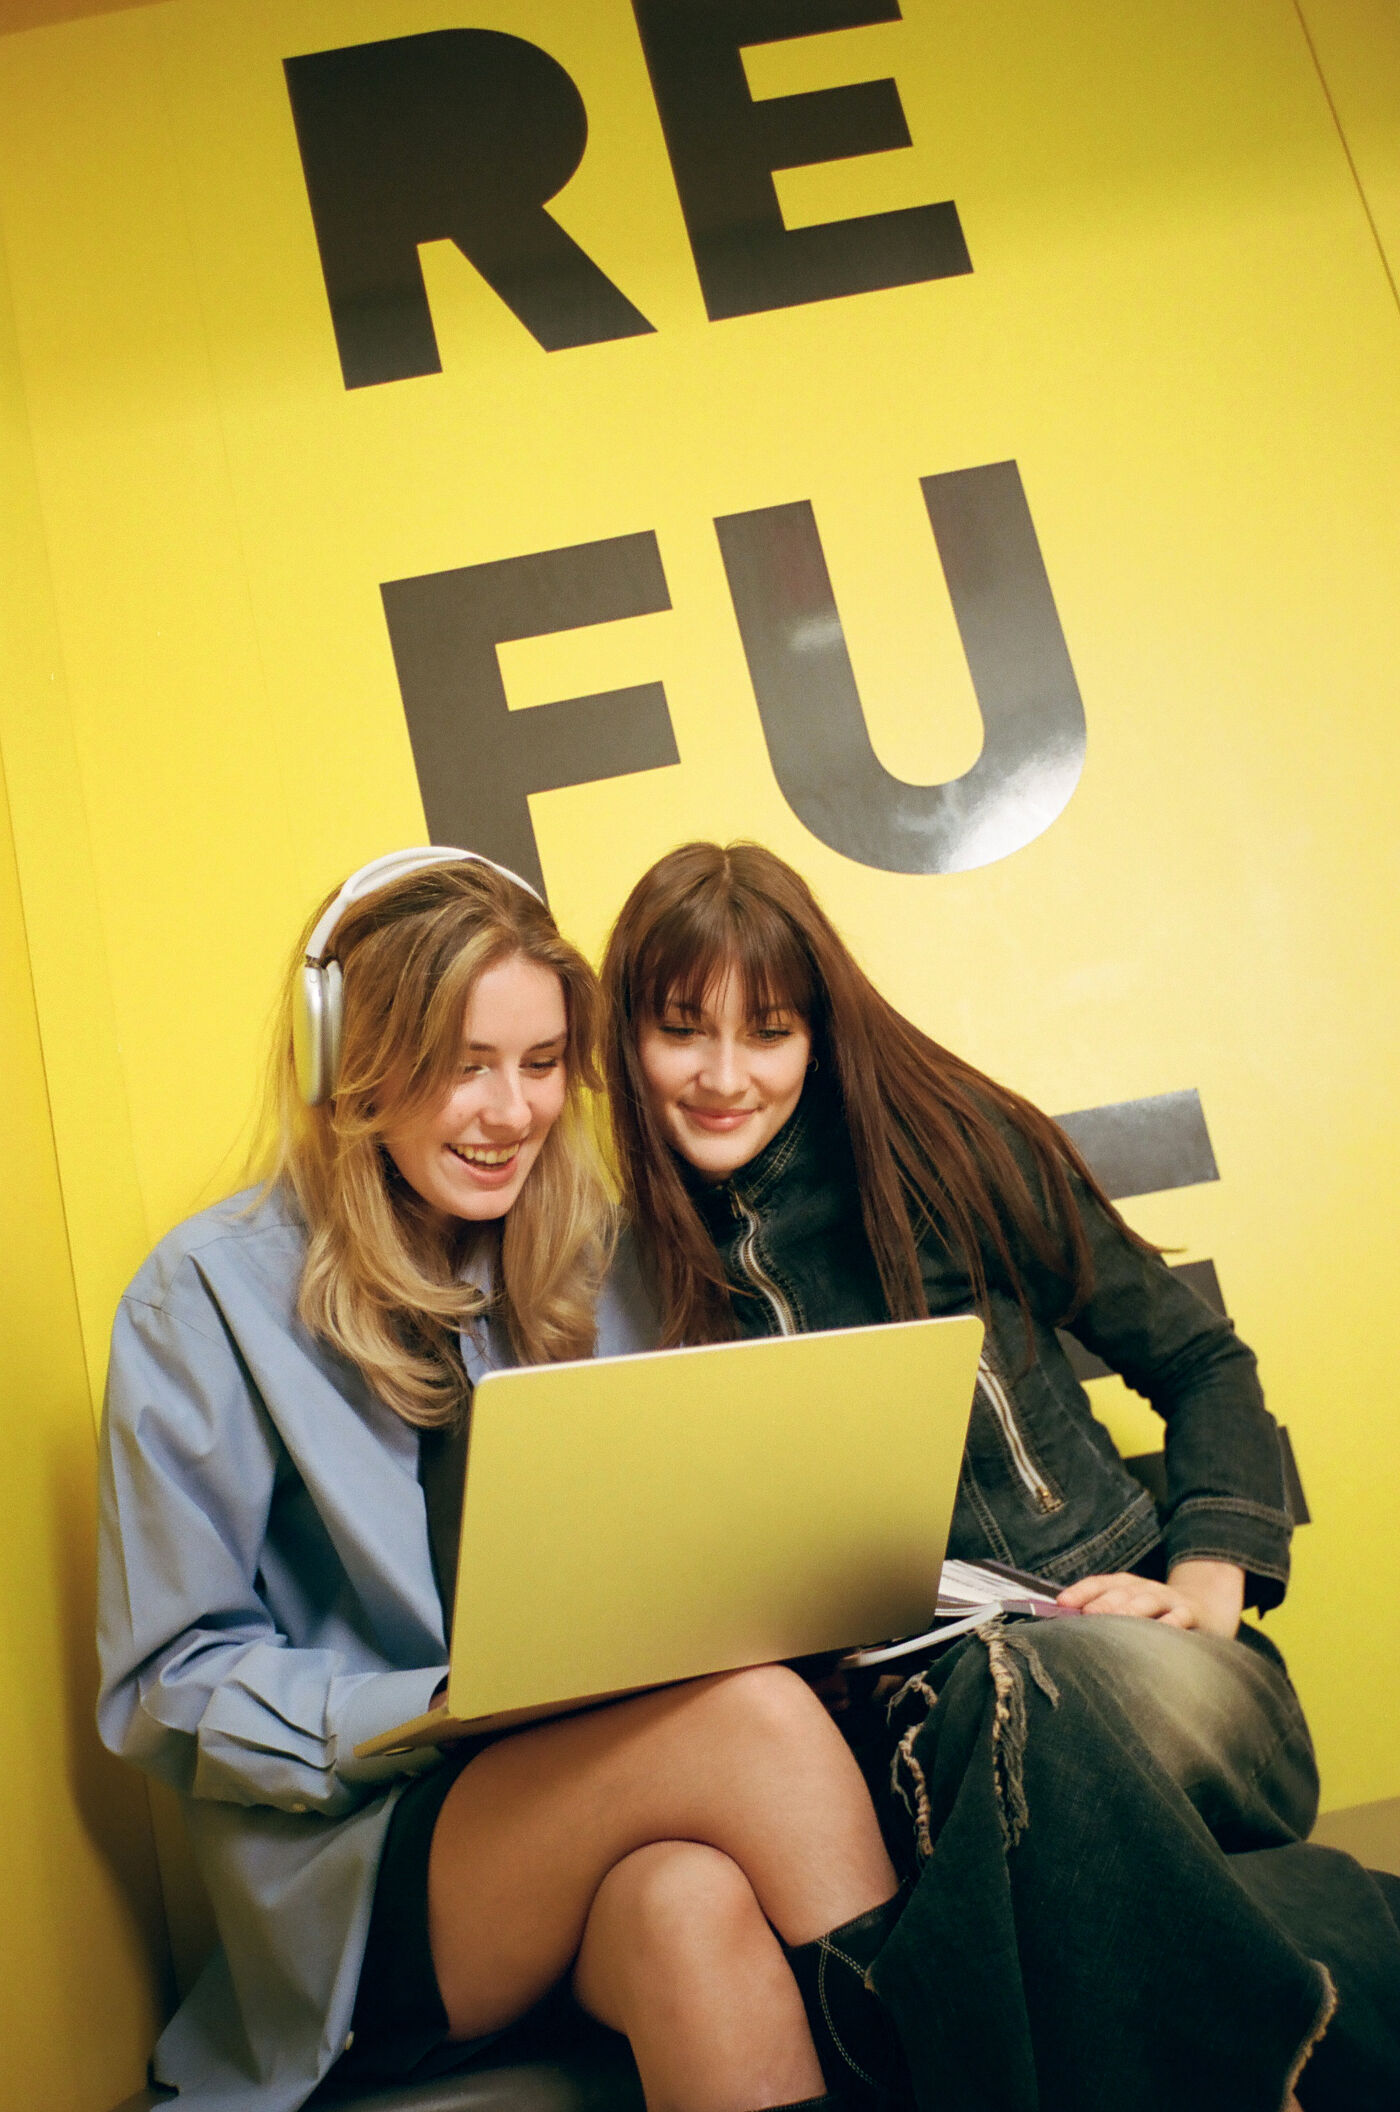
{"x": 968, "y": 1594}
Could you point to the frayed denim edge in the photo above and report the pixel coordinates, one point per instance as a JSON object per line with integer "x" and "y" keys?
{"x": 1327, "y": 2009}
{"x": 1008, "y": 1734}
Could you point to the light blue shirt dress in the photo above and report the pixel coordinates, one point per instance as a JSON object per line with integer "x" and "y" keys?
{"x": 265, "y": 1603}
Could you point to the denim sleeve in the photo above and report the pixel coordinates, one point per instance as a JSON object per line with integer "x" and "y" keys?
{"x": 198, "y": 1685}
{"x": 1225, "y": 1492}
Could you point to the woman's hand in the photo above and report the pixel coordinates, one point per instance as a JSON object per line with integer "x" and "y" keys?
{"x": 1198, "y": 1594}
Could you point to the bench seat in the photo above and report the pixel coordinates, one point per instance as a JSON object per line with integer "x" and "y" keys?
{"x": 591, "y": 2071}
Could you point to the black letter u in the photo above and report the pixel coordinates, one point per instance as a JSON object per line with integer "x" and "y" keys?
{"x": 1032, "y": 716}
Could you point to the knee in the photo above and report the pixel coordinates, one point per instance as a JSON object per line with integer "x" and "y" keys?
{"x": 768, "y": 1702}
{"x": 672, "y": 1904}
{"x": 1144, "y": 1666}
{"x": 1133, "y": 1657}
{"x": 1096, "y": 1673}
{"x": 1205, "y": 1706}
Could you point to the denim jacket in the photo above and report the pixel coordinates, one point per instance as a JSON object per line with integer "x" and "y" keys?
{"x": 1042, "y": 1486}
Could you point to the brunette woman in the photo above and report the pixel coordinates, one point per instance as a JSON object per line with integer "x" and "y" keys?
{"x": 289, "y": 1371}
{"x": 1114, "y": 1907}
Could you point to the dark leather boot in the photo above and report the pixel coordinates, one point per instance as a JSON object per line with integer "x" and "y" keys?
{"x": 854, "y": 2037}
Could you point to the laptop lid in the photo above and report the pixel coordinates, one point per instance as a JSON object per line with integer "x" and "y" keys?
{"x": 636, "y": 1520}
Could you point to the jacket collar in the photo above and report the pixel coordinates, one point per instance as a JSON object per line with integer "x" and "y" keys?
{"x": 794, "y": 1155}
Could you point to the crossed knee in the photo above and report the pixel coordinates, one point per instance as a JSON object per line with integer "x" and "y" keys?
{"x": 674, "y": 1902}
{"x": 677, "y": 1953}
{"x": 765, "y": 1701}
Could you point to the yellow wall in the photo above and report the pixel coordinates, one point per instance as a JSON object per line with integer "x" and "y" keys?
{"x": 1356, "y": 45}
{"x": 83, "y": 1953}
{"x": 1180, "y": 325}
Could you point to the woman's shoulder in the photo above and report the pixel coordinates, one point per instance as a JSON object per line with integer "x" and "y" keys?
{"x": 254, "y": 1239}
{"x": 628, "y": 1314}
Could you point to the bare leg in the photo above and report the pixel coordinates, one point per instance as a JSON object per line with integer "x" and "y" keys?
{"x": 748, "y": 1763}
{"x": 677, "y": 1954}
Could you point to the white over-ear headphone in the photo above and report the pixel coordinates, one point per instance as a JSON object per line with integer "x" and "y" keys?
{"x": 317, "y": 1009}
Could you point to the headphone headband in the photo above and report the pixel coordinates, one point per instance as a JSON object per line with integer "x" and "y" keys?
{"x": 395, "y": 865}
{"x": 317, "y": 1012}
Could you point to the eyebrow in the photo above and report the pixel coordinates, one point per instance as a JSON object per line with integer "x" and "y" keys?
{"x": 488, "y": 1048}
{"x": 690, "y": 1010}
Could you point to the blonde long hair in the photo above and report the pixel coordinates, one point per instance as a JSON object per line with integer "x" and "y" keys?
{"x": 382, "y": 1282}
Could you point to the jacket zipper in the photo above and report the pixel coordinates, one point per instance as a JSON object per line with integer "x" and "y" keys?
{"x": 999, "y": 1401}
{"x": 746, "y": 1253}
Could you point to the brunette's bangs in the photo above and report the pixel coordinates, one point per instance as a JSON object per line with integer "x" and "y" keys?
{"x": 703, "y": 940}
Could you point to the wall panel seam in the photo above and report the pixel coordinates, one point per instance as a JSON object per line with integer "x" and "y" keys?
{"x": 1346, "y": 149}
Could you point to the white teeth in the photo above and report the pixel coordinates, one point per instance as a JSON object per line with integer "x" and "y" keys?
{"x": 478, "y": 1155}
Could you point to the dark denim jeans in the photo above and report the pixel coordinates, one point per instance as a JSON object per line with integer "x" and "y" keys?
{"x": 1114, "y": 1908}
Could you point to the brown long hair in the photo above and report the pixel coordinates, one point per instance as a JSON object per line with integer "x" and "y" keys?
{"x": 381, "y": 1281}
{"x": 938, "y": 1146}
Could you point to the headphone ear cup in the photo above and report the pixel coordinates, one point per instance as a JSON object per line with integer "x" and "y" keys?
{"x": 332, "y": 1022}
{"x": 316, "y": 1017}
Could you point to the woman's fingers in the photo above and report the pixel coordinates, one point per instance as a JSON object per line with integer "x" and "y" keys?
{"x": 1140, "y": 1598}
{"x": 1106, "y": 1594}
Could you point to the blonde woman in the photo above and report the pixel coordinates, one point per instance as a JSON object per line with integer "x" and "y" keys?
{"x": 289, "y": 1373}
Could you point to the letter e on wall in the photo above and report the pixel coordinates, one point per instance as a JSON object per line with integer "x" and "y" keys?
{"x": 724, "y": 147}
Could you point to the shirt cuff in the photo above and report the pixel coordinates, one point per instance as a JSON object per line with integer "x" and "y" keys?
{"x": 1232, "y": 1529}
{"x": 377, "y": 1703}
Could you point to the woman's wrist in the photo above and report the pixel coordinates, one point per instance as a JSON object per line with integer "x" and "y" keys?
{"x": 1215, "y": 1590}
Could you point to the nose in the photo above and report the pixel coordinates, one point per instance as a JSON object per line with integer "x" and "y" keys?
{"x": 722, "y": 1070}
{"x": 506, "y": 1108}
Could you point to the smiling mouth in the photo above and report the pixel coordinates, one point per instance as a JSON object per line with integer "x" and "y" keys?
{"x": 483, "y": 1155}
{"x": 718, "y": 1114}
